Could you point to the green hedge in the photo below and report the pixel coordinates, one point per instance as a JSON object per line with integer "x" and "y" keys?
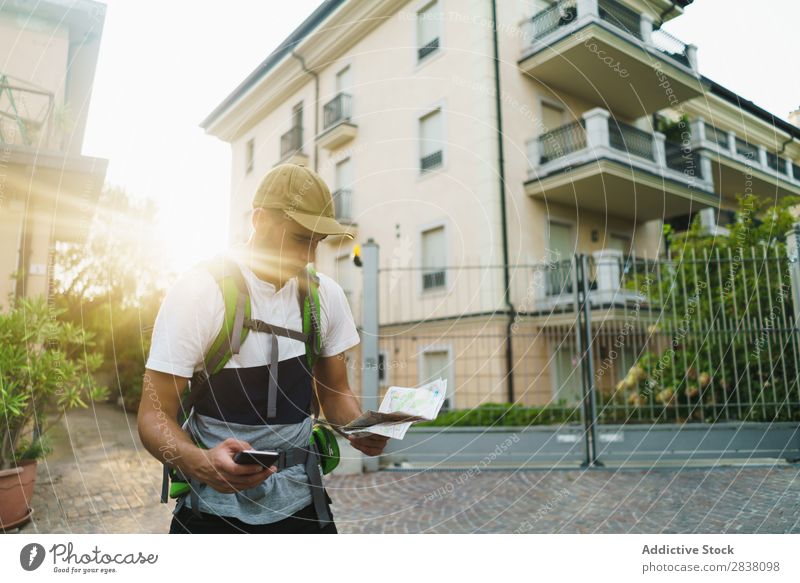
{"x": 504, "y": 415}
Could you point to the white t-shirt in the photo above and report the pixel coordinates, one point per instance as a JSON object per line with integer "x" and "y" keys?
{"x": 192, "y": 313}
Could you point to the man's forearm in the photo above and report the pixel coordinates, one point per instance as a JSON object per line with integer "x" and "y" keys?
{"x": 167, "y": 442}
{"x": 341, "y": 407}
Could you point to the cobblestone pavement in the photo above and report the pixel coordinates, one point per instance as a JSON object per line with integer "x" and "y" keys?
{"x": 101, "y": 479}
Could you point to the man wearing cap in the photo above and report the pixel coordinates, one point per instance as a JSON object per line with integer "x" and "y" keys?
{"x": 292, "y": 213}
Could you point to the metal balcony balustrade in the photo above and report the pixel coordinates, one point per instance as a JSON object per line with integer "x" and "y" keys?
{"x": 291, "y": 141}
{"x": 337, "y": 110}
{"x": 616, "y": 14}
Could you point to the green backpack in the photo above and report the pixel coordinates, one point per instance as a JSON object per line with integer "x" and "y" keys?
{"x": 234, "y": 291}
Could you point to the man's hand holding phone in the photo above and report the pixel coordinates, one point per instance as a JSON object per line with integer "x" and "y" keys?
{"x": 221, "y": 472}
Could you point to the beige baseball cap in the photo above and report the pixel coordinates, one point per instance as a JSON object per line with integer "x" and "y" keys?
{"x": 303, "y": 195}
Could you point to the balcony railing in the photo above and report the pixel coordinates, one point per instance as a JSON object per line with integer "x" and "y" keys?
{"x": 427, "y": 49}
{"x": 620, "y": 16}
{"x": 562, "y": 141}
{"x": 683, "y": 159}
{"x": 598, "y": 135}
{"x": 337, "y": 110}
{"x": 430, "y": 161}
{"x": 559, "y": 277}
{"x": 773, "y": 160}
{"x": 615, "y": 14}
{"x": 671, "y": 46}
{"x": 627, "y": 138}
{"x": 717, "y": 136}
{"x": 291, "y": 141}
{"x": 560, "y": 14}
{"x": 722, "y": 143}
{"x": 342, "y": 199}
{"x": 746, "y": 150}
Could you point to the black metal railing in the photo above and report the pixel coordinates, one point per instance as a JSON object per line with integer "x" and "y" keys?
{"x": 341, "y": 204}
{"x": 671, "y": 46}
{"x": 430, "y": 161}
{"x": 291, "y": 141}
{"x": 562, "y": 141}
{"x": 559, "y": 14}
{"x": 715, "y": 135}
{"x": 559, "y": 277}
{"x": 629, "y": 139}
{"x": 427, "y": 49}
{"x": 337, "y": 110}
{"x": 621, "y": 16}
{"x": 746, "y": 150}
{"x": 774, "y": 162}
{"x": 683, "y": 159}
{"x": 433, "y": 279}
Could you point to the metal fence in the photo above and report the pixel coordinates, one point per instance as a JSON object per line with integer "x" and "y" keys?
{"x": 599, "y": 339}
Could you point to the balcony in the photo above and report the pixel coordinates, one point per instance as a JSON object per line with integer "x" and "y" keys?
{"x": 292, "y": 147}
{"x": 604, "y": 165}
{"x": 337, "y": 128}
{"x": 607, "y": 269}
{"x": 739, "y": 166}
{"x": 603, "y": 51}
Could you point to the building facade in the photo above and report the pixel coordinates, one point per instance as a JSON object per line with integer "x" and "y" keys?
{"x": 48, "y": 189}
{"x": 477, "y": 142}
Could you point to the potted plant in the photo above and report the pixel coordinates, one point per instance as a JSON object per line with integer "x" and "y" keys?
{"x": 46, "y": 367}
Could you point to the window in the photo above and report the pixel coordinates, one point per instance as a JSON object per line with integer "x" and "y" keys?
{"x": 552, "y": 117}
{"x": 428, "y": 20}
{"x": 344, "y": 275}
{"x": 561, "y": 246}
{"x": 434, "y": 258}
{"x": 343, "y": 195}
{"x": 431, "y": 138}
{"x": 437, "y": 363}
{"x": 249, "y": 155}
{"x": 343, "y": 80}
{"x": 565, "y": 371}
{"x": 297, "y": 115}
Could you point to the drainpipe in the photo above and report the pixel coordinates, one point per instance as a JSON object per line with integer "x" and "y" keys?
{"x": 783, "y": 145}
{"x": 316, "y": 103}
{"x": 503, "y": 222}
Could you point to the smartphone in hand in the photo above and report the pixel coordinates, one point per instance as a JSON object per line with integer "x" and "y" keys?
{"x": 253, "y": 456}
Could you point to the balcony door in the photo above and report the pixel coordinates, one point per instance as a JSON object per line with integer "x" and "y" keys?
{"x": 552, "y": 117}
{"x": 344, "y": 80}
{"x": 561, "y": 246}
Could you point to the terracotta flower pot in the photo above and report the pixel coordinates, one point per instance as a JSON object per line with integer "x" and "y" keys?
{"x": 16, "y": 493}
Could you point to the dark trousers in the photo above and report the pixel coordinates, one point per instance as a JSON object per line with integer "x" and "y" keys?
{"x": 304, "y": 521}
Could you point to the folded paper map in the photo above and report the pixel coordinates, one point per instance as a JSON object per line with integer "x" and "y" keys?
{"x": 401, "y": 407}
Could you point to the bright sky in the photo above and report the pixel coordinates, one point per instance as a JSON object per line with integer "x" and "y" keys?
{"x": 164, "y": 65}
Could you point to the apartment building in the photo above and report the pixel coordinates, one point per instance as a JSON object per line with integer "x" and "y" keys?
{"x": 48, "y": 189}
{"x": 591, "y": 129}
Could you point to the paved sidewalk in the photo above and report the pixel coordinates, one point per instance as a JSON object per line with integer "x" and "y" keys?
{"x": 101, "y": 479}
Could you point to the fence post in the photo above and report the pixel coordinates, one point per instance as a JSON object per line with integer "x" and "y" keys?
{"x": 583, "y": 309}
{"x": 369, "y": 337}
{"x": 793, "y": 255}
